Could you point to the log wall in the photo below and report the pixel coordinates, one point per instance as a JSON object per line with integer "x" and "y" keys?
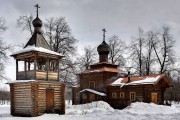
{"x": 29, "y": 98}
{"x": 143, "y": 94}
{"x": 21, "y": 99}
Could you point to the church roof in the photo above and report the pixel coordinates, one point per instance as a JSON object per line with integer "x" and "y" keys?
{"x": 102, "y": 67}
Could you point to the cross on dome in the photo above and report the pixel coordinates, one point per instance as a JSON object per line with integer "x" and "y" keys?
{"x": 104, "y": 33}
{"x": 37, "y": 7}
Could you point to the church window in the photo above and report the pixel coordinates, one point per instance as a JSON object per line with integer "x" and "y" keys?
{"x": 121, "y": 95}
{"x": 114, "y": 95}
{"x": 132, "y": 96}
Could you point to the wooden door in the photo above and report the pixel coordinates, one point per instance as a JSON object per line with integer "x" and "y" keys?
{"x": 92, "y": 97}
{"x": 49, "y": 99}
{"x": 154, "y": 97}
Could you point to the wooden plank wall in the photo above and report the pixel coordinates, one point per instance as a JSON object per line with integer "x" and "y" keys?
{"x": 59, "y": 96}
{"x": 143, "y": 93}
{"x": 21, "y": 102}
{"x": 29, "y": 99}
{"x": 40, "y": 75}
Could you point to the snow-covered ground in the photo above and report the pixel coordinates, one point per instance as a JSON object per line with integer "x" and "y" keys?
{"x": 102, "y": 111}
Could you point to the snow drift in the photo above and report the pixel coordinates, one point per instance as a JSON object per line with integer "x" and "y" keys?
{"x": 88, "y": 108}
{"x": 150, "y": 108}
{"x": 102, "y": 111}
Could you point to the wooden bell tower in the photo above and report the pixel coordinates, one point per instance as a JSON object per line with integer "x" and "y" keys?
{"x": 37, "y": 88}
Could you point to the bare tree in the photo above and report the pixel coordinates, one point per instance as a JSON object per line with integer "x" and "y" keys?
{"x": 61, "y": 40}
{"x": 136, "y": 52}
{"x": 117, "y": 50}
{"x": 3, "y": 49}
{"x": 163, "y": 48}
{"x": 149, "y": 57}
{"x": 89, "y": 57}
{"x": 25, "y": 22}
{"x": 3, "y": 27}
{"x": 60, "y": 37}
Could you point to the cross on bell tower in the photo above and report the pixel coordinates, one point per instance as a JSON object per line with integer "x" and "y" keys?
{"x": 104, "y": 33}
{"x": 37, "y": 7}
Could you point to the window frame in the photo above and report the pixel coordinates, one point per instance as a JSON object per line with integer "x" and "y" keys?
{"x": 114, "y": 95}
{"x": 121, "y": 95}
{"x": 132, "y": 96}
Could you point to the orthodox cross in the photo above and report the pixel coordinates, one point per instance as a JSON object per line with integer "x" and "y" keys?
{"x": 37, "y": 6}
{"x": 104, "y": 32}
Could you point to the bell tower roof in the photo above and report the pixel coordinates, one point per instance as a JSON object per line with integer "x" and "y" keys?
{"x": 37, "y": 39}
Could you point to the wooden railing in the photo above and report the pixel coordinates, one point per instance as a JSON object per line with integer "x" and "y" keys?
{"x": 40, "y": 75}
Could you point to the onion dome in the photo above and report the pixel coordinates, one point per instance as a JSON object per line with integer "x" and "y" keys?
{"x": 37, "y": 22}
{"x": 103, "y": 48}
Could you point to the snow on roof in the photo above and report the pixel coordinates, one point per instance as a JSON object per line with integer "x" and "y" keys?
{"x": 118, "y": 81}
{"x": 21, "y": 81}
{"x": 93, "y": 91}
{"x": 147, "y": 80}
{"x": 39, "y": 49}
{"x": 96, "y": 71}
{"x": 139, "y": 80}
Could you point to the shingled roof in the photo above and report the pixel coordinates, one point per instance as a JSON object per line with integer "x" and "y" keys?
{"x": 102, "y": 67}
{"x": 37, "y": 39}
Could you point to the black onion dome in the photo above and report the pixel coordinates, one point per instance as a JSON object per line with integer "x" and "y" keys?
{"x": 103, "y": 48}
{"x": 37, "y": 22}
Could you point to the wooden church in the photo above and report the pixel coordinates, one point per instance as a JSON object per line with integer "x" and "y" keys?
{"x": 104, "y": 81}
{"x": 37, "y": 89}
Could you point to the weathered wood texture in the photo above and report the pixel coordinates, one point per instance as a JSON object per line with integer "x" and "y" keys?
{"x": 142, "y": 94}
{"x": 29, "y": 99}
{"x": 99, "y": 78}
{"x": 40, "y": 75}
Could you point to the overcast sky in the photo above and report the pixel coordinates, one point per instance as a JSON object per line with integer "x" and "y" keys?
{"x": 87, "y": 18}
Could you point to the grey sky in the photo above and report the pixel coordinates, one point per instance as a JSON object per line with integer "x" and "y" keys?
{"x": 87, "y": 17}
